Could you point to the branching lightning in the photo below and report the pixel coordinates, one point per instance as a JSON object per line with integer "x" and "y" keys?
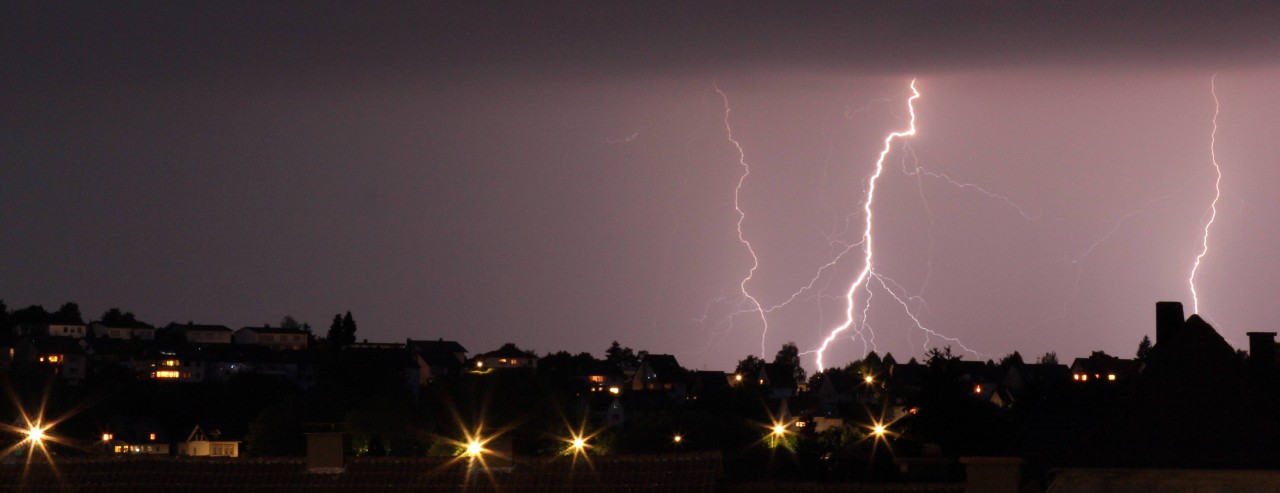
{"x": 1217, "y": 188}
{"x": 742, "y": 216}
{"x": 867, "y": 240}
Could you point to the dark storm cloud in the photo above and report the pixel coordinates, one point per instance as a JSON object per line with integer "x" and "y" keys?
{"x": 89, "y": 42}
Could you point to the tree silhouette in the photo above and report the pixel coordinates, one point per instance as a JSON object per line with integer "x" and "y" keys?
{"x": 790, "y": 355}
{"x": 1144, "y": 348}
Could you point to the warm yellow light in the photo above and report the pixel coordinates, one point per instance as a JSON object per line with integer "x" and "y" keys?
{"x": 479, "y": 364}
{"x": 165, "y": 374}
{"x": 106, "y": 437}
{"x": 171, "y": 362}
{"x": 614, "y": 390}
{"x": 35, "y": 433}
{"x": 579, "y": 444}
{"x": 977, "y": 389}
{"x": 878, "y": 430}
{"x": 779, "y": 429}
{"x": 737, "y": 377}
{"x": 474, "y": 448}
{"x": 869, "y": 379}
{"x": 1084, "y": 378}
{"x": 1075, "y": 376}
{"x": 152, "y": 436}
{"x": 678, "y": 438}
{"x": 1111, "y": 376}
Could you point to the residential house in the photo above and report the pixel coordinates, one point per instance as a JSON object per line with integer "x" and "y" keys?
{"x": 201, "y": 444}
{"x": 779, "y": 379}
{"x": 201, "y": 333}
{"x": 124, "y": 330}
{"x": 506, "y": 357}
{"x": 169, "y": 364}
{"x": 708, "y": 383}
{"x": 1101, "y": 367}
{"x": 276, "y": 338}
{"x": 136, "y": 436}
{"x": 660, "y": 372}
{"x": 64, "y": 357}
{"x": 430, "y": 360}
{"x": 67, "y": 329}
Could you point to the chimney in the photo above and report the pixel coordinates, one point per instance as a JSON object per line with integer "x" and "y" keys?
{"x": 1262, "y": 349}
{"x": 1169, "y": 320}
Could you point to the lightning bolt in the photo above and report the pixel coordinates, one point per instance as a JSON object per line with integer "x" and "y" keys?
{"x": 742, "y": 216}
{"x": 1213, "y": 206}
{"x": 867, "y": 243}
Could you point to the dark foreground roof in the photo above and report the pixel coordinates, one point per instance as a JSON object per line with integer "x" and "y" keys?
{"x": 689, "y": 472}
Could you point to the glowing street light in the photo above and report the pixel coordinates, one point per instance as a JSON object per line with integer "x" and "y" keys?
{"x": 474, "y": 448}
{"x": 878, "y": 431}
{"x": 779, "y": 429}
{"x": 869, "y": 379}
{"x": 35, "y": 434}
{"x": 677, "y": 439}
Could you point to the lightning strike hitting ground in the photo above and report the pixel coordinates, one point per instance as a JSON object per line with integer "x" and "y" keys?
{"x": 867, "y": 243}
{"x": 742, "y": 216}
{"x": 1217, "y": 189}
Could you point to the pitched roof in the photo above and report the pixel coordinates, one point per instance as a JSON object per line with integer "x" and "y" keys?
{"x": 436, "y": 346}
{"x": 193, "y": 326}
{"x": 664, "y": 366}
{"x": 267, "y": 329}
{"x": 507, "y": 351}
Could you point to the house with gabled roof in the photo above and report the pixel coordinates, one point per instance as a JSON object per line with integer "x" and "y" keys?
{"x": 277, "y": 338}
{"x": 505, "y": 358}
{"x": 201, "y": 444}
{"x": 201, "y": 333}
{"x": 124, "y": 330}
{"x": 1102, "y": 367}
{"x": 779, "y": 379}
{"x": 430, "y": 360}
{"x": 660, "y": 372}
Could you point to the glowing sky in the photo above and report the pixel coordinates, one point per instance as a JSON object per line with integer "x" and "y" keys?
{"x": 562, "y": 177}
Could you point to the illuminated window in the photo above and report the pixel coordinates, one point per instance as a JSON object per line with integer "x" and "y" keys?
{"x": 597, "y": 378}
{"x": 1111, "y": 376}
{"x": 502, "y": 360}
{"x": 152, "y": 436}
{"x": 165, "y": 374}
{"x": 1084, "y": 378}
{"x": 171, "y": 362}
{"x": 614, "y": 390}
{"x": 1075, "y": 376}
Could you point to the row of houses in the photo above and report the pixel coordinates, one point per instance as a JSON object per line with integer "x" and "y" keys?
{"x": 278, "y": 338}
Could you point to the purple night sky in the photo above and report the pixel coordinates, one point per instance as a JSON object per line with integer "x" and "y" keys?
{"x": 561, "y": 177}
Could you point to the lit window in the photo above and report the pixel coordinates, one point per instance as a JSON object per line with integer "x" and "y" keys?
{"x": 1075, "y": 376}
{"x": 152, "y": 436}
{"x": 1111, "y": 376}
{"x": 614, "y": 390}
{"x": 165, "y": 374}
{"x": 502, "y": 360}
{"x": 597, "y": 378}
{"x": 1084, "y": 378}
{"x": 171, "y": 362}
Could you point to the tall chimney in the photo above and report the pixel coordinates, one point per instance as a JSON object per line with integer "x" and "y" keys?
{"x": 1262, "y": 349}
{"x": 1168, "y": 320}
